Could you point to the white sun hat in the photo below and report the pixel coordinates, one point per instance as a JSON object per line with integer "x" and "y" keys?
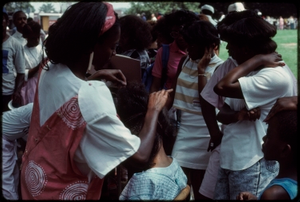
{"x": 208, "y": 7}
{"x": 238, "y": 7}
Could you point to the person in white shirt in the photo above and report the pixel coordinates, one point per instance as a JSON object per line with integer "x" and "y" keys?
{"x": 15, "y": 124}
{"x": 13, "y": 67}
{"x": 19, "y": 20}
{"x": 255, "y": 84}
{"x": 75, "y": 136}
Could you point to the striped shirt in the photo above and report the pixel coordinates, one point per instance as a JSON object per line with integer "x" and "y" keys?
{"x": 187, "y": 95}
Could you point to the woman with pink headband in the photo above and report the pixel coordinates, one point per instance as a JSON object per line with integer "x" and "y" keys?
{"x": 75, "y": 136}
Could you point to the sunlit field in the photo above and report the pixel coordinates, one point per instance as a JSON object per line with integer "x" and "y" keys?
{"x": 287, "y": 43}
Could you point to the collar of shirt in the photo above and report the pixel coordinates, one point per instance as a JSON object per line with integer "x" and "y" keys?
{"x": 174, "y": 47}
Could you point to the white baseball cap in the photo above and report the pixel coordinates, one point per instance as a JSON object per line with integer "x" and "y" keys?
{"x": 238, "y": 7}
{"x": 208, "y": 7}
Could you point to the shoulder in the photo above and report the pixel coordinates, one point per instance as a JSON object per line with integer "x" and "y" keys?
{"x": 275, "y": 192}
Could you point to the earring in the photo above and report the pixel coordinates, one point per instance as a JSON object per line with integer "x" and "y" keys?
{"x": 90, "y": 62}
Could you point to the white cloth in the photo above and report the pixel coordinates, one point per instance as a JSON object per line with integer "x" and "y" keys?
{"x": 159, "y": 183}
{"x": 13, "y": 62}
{"x": 187, "y": 95}
{"x": 33, "y": 56}
{"x": 106, "y": 141}
{"x": 19, "y": 37}
{"x": 207, "y": 93}
{"x": 241, "y": 142}
{"x": 212, "y": 21}
{"x": 190, "y": 148}
{"x": 15, "y": 124}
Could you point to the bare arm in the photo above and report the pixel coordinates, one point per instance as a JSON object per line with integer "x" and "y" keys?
{"x": 226, "y": 115}
{"x": 157, "y": 101}
{"x": 209, "y": 115}
{"x": 229, "y": 86}
{"x": 17, "y": 91}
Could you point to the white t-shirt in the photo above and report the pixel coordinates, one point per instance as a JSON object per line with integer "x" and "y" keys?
{"x": 13, "y": 62}
{"x": 15, "y": 123}
{"x": 241, "y": 142}
{"x": 33, "y": 56}
{"x": 208, "y": 93}
{"x": 19, "y": 37}
{"x": 106, "y": 142}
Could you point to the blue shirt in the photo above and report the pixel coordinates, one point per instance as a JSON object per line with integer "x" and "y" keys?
{"x": 159, "y": 183}
{"x": 288, "y": 184}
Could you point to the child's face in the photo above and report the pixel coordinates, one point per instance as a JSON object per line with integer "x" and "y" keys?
{"x": 272, "y": 145}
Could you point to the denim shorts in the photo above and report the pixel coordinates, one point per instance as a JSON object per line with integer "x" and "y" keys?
{"x": 253, "y": 179}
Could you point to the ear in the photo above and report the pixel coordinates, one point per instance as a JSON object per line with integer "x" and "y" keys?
{"x": 286, "y": 151}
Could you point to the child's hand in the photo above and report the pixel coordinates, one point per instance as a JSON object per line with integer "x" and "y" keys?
{"x": 202, "y": 64}
{"x": 244, "y": 196}
{"x": 272, "y": 60}
{"x": 250, "y": 115}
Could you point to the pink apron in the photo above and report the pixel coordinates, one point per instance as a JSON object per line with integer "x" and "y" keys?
{"x": 48, "y": 170}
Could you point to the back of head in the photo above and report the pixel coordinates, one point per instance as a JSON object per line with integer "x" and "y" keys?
{"x": 135, "y": 33}
{"x": 286, "y": 125}
{"x": 132, "y": 105}
{"x": 31, "y": 29}
{"x": 75, "y": 32}
{"x": 201, "y": 33}
{"x": 177, "y": 18}
{"x": 247, "y": 29}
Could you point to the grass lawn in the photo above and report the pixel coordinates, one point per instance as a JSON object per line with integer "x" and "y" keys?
{"x": 286, "y": 45}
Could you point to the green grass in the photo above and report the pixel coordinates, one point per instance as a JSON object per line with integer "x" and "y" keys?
{"x": 286, "y": 45}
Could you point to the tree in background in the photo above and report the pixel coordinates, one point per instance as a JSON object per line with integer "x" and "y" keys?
{"x": 14, "y": 6}
{"x": 160, "y": 7}
{"x": 47, "y": 8}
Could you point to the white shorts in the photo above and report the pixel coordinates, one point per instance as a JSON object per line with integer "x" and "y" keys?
{"x": 209, "y": 181}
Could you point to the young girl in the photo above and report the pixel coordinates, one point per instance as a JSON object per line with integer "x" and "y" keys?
{"x": 161, "y": 178}
{"x": 280, "y": 144}
{"x": 75, "y": 137}
{"x": 190, "y": 148}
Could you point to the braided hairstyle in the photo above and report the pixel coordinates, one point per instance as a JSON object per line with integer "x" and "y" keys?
{"x": 76, "y": 32}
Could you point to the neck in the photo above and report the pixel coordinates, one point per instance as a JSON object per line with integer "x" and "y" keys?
{"x": 161, "y": 159}
{"x": 288, "y": 170}
{"x": 77, "y": 68}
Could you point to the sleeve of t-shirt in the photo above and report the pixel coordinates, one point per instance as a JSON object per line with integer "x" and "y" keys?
{"x": 264, "y": 87}
{"x": 106, "y": 142}
{"x": 15, "y": 123}
{"x": 19, "y": 61}
{"x": 208, "y": 91}
{"x": 157, "y": 67}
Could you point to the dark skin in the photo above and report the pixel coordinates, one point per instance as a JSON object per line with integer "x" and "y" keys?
{"x": 103, "y": 51}
{"x": 20, "y": 19}
{"x": 276, "y": 149}
{"x": 229, "y": 86}
{"x": 284, "y": 103}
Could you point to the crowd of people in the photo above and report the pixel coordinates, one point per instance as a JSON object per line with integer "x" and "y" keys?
{"x": 64, "y": 132}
